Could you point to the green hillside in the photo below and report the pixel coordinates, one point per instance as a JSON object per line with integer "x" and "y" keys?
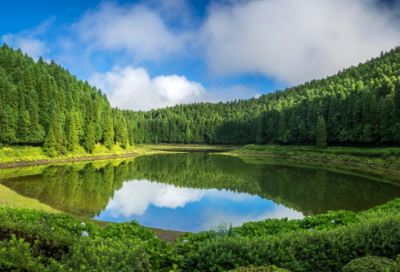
{"x": 42, "y": 104}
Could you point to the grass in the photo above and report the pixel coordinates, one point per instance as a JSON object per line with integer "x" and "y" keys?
{"x": 190, "y": 147}
{"x": 32, "y": 154}
{"x": 382, "y": 157}
{"x": 11, "y": 198}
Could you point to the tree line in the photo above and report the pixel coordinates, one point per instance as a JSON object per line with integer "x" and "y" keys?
{"x": 43, "y": 104}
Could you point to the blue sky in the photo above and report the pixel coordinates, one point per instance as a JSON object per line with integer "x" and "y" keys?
{"x": 156, "y": 53}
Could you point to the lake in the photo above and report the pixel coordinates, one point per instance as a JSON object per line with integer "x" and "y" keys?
{"x": 195, "y": 191}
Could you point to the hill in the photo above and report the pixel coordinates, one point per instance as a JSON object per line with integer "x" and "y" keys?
{"x": 42, "y": 104}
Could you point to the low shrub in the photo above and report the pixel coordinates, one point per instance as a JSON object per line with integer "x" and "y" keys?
{"x": 107, "y": 255}
{"x": 303, "y": 250}
{"x": 370, "y": 264}
{"x": 55, "y": 235}
{"x": 270, "y": 268}
{"x": 17, "y": 255}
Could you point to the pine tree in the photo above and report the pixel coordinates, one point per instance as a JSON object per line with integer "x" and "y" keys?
{"x": 50, "y": 144}
{"x": 55, "y": 127}
{"x": 70, "y": 132}
{"x": 23, "y": 127}
{"x": 108, "y": 135}
{"x": 7, "y": 126}
{"x": 187, "y": 134}
{"x": 321, "y": 133}
{"x": 90, "y": 143}
{"x": 122, "y": 134}
{"x": 302, "y": 132}
{"x": 386, "y": 118}
{"x": 36, "y": 131}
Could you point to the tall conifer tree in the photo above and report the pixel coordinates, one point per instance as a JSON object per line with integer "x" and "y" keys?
{"x": 50, "y": 146}
{"x": 321, "y": 133}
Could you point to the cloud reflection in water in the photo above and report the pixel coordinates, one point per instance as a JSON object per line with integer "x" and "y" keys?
{"x": 166, "y": 206}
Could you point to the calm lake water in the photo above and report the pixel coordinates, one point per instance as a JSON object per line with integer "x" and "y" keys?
{"x": 196, "y": 191}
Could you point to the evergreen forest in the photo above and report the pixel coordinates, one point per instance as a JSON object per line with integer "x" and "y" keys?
{"x": 42, "y": 104}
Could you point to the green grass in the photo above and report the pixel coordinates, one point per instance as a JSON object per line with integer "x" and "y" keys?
{"x": 30, "y": 154}
{"x": 383, "y": 157}
{"x": 189, "y": 147}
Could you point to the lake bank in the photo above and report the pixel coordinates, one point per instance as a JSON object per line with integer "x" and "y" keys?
{"x": 249, "y": 156}
{"x": 20, "y": 156}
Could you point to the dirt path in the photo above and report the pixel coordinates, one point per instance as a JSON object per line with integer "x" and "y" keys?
{"x": 31, "y": 163}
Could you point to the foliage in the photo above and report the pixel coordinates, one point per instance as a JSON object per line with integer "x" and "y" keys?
{"x": 58, "y": 239}
{"x": 38, "y": 241}
{"x": 270, "y": 268}
{"x": 37, "y": 97}
{"x": 359, "y": 105}
{"x": 107, "y": 255}
{"x": 370, "y": 263}
{"x": 303, "y": 250}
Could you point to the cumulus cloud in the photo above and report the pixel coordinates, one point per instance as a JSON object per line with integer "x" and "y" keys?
{"x": 139, "y": 30}
{"x": 29, "y": 40}
{"x": 130, "y": 88}
{"x": 135, "y": 197}
{"x": 296, "y": 41}
{"x": 33, "y": 47}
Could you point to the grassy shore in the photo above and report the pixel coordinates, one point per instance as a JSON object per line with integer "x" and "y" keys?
{"x": 190, "y": 147}
{"x": 383, "y": 157}
{"x": 16, "y": 156}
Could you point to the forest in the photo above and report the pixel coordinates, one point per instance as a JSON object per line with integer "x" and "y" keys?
{"x": 42, "y": 104}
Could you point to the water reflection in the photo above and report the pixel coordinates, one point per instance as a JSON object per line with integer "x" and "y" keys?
{"x": 196, "y": 191}
{"x": 165, "y": 206}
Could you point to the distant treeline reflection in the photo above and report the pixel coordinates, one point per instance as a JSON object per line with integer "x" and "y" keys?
{"x": 85, "y": 189}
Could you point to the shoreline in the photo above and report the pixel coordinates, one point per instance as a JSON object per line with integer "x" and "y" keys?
{"x": 43, "y": 162}
{"x": 391, "y": 172}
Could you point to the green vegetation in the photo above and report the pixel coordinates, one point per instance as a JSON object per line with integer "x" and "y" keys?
{"x": 371, "y": 263}
{"x": 84, "y": 189}
{"x": 385, "y": 157}
{"x": 270, "y": 268}
{"x": 39, "y": 241}
{"x": 190, "y": 147}
{"x": 41, "y": 104}
{"x": 359, "y": 106}
{"x": 30, "y": 154}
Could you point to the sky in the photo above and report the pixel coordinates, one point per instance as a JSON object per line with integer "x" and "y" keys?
{"x": 150, "y": 54}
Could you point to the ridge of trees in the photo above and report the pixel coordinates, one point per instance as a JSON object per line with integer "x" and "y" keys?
{"x": 359, "y": 106}
{"x": 42, "y": 104}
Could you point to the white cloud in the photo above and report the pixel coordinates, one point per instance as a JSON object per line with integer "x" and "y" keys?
{"x": 33, "y": 47}
{"x": 296, "y": 41}
{"x": 139, "y": 30}
{"x": 28, "y": 40}
{"x": 135, "y": 197}
{"x": 130, "y": 88}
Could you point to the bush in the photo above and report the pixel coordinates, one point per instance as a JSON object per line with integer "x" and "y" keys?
{"x": 370, "y": 264}
{"x": 17, "y": 255}
{"x": 323, "y": 250}
{"x": 271, "y": 268}
{"x": 55, "y": 235}
{"x": 107, "y": 255}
